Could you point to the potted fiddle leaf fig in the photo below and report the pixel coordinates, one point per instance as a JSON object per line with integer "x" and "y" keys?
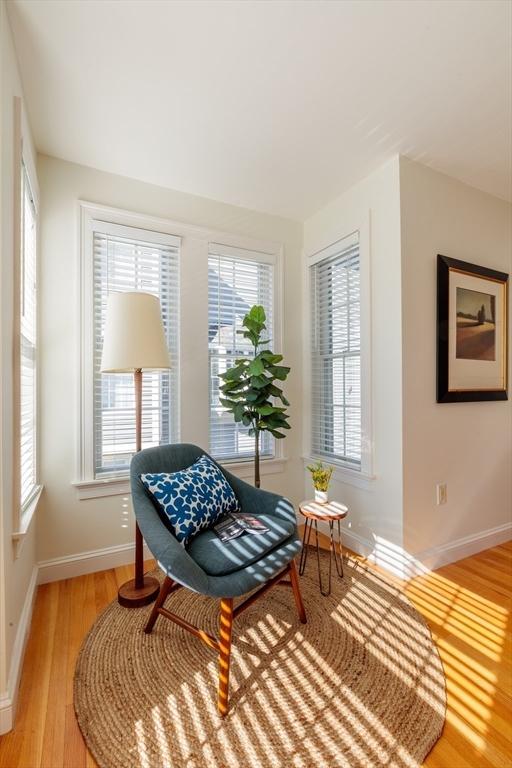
{"x": 250, "y": 391}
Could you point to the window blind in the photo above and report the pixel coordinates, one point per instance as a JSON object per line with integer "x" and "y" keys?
{"x": 235, "y": 284}
{"x": 28, "y": 342}
{"x": 336, "y": 353}
{"x": 127, "y": 259}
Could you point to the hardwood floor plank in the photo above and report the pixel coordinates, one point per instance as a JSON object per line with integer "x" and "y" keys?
{"x": 80, "y": 623}
{"x": 454, "y": 751}
{"x": 54, "y": 726}
{"x": 10, "y": 744}
{"x": 494, "y": 592}
{"x": 34, "y": 713}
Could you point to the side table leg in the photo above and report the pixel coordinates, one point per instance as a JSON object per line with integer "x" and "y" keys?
{"x": 339, "y": 555}
{"x": 305, "y": 546}
{"x": 325, "y": 594}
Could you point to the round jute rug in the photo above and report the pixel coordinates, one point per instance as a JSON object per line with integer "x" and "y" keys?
{"x": 361, "y": 684}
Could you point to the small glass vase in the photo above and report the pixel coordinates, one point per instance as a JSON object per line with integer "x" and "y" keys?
{"x": 321, "y": 497}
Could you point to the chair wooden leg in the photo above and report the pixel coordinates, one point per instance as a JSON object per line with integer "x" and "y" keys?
{"x": 296, "y": 592}
{"x": 226, "y": 628}
{"x": 162, "y": 595}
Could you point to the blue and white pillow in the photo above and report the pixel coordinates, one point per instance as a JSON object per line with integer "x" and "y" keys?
{"x": 193, "y": 498}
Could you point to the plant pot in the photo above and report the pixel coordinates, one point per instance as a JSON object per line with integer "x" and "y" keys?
{"x": 321, "y": 497}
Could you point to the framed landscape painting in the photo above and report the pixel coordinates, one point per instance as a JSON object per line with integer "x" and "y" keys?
{"x": 472, "y": 336}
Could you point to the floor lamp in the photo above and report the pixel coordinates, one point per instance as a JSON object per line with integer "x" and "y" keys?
{"x": 134, "y": 340}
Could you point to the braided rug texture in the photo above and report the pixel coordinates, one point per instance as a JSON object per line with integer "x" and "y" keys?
{"x": 360, "y": 685}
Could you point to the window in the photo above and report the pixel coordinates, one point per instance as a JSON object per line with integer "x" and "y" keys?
{"x": 205, "y": 289}
{"x": 336, "y": 353}
{"x": 236, "y": 281}
{"x": 28, "y": 343}
{"x": 130, "y": 259}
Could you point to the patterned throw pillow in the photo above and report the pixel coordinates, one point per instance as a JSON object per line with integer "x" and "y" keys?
{"x": 193, "y": 498}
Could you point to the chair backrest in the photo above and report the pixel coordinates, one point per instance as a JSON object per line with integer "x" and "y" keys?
{"x": 164, "y": 458}
{"x": 166, "y": 549}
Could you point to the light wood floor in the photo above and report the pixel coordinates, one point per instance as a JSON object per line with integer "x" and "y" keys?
{"x": 467, "y": 605}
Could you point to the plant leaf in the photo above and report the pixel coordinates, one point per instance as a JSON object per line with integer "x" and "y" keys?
{"x": 256, "y": 367}
{"x": 267, "y": 410}
{"x": 233, "y": 373}
{"x": 270, "y": 358}
{"x": 257, "y": 382}
{"x": 229, "y": 404}
{"x": 257, "y": 314}
{"x": 228, "y": 386}
{"x": 239, "y": 409}
{"x": 279, "y": 371}
{"x": 274, "y": 391}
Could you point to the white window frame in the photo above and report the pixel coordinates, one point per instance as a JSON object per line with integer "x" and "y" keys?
{"x": 193, "y": 386}
{"x": 217, "y": 249}
{"x": 90, "y": 216}
{"x": 343, "y": 471}
{"x": 23, "y": 157}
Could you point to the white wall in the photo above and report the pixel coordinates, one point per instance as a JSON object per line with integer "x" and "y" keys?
{"x": 15, "y": 572}
{"x": 374, "y": 524}
{"x": 466, "y": 445}
{"x": 69, "y": 526}
{"x": 416, "y": 213}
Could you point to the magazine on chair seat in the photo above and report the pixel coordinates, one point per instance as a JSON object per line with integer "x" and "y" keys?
{"x": 235, "y": 524}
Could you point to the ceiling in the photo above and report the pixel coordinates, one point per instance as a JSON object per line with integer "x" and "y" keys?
{"x": 277, "y": 106}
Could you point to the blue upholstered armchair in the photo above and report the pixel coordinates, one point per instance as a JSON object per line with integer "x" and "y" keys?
{"x": 218, "y": 569}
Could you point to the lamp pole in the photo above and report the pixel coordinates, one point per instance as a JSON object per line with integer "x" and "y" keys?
{"x": 141, "y": 590}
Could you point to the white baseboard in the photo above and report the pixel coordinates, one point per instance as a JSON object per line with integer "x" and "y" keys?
{"x": 382, "y": 553}
{"x": 357, "y": 543}
{"x": 8, "y": 700}
{"x": 401, "y": 563}
{"x": 464, "y": 547}
{"x": 87, "y": 562}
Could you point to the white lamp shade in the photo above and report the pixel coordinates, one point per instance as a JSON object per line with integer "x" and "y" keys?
{"x": 134, "y": 334}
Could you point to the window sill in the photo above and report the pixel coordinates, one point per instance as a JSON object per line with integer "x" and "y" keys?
{"x": 97, "y": 489}
{"x": 25, "y": 521}
{"x": 346, "y": 475}
{"x": 245, "y": 469}
{"x": 120, "y": 486}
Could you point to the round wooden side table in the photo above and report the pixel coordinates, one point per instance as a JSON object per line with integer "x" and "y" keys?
{"x": 313, "y": 513}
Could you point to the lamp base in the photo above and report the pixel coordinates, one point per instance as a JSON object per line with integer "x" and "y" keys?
{"x": 130, "y": 597}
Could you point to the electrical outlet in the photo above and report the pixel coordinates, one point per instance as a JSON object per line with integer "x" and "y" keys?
{"x": 442, "y": 493}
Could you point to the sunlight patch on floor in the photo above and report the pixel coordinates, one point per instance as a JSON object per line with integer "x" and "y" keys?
{"x": 471, "y": 635}
{"x": 141, "y": 744}
{"x": 179, "y": 731}
{"x": 161, "y": 737}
